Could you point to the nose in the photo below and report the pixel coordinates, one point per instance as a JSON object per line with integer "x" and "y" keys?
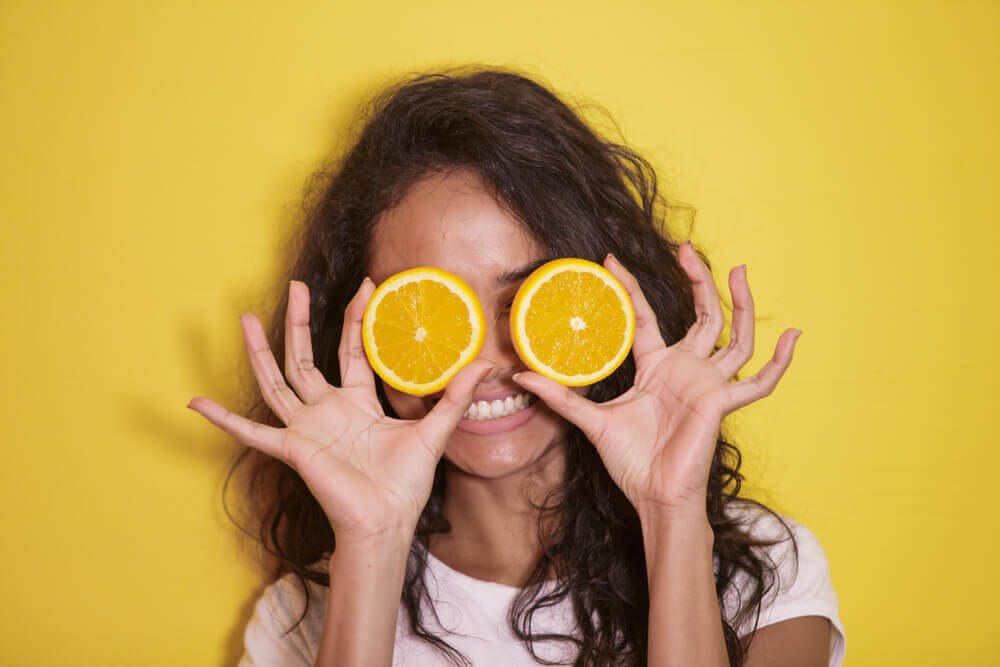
{"x": 499, "y": 348}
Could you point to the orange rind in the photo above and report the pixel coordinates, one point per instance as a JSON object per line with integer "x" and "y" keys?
{"x": 572, "y": 321}
{"x": 420, "y": 327}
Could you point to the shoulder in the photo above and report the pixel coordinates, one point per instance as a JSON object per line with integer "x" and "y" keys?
{"x": 274, "y": 634}
{"x": 802, "y": 582}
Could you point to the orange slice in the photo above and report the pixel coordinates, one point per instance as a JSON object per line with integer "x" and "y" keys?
{"x": 572, "y": 321}
{"x": 421, "y": 326}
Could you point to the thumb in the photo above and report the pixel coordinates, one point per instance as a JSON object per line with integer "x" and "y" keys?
{"x": 563, "y": 401}
{"x": 438, "y": 424}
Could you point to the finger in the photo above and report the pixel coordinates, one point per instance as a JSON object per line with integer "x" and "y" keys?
{"x": 647, "y": 330}
{"x": 734, "y": 356}
{"x": 307, "y": 380}
{"x": 704, "y": 333}
{"x": 766, "y": 379}
{"x": 355, "y": 370}
{"x": 565, "y": 402}
{"x": 277, "y": 394}
{"x": 259, "y": 436}
{"x": 438, "y": 424}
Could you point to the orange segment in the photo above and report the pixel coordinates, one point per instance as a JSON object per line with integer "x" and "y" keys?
{"x": 572, "y": 321}
{"x": 421, "y": 327}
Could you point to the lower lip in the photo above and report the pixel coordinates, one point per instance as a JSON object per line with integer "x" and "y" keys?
{"x": 498, "y": 425}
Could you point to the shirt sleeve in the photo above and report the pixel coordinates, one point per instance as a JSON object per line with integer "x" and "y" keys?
{"x": 265, "y": 641}
{"x": 804, "y": 587}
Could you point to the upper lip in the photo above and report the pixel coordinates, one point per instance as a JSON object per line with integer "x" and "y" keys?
{"x": 498, "y": 394}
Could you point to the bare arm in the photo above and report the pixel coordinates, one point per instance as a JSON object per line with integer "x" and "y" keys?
{"x": 366, "y": 582}
{"x": 797, "y": 642}
{"x": 685, "y": 627}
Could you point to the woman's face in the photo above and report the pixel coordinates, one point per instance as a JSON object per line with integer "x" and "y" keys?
{"x": 450, "y": 222}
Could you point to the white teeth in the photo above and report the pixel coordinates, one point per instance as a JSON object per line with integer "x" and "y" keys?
{"x": 498, "y": 408}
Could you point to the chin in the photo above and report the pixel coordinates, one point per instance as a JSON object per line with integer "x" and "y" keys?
{"x": 503, "y": 454}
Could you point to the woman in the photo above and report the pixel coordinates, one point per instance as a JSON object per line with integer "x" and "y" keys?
{"x": 607, "y": 528}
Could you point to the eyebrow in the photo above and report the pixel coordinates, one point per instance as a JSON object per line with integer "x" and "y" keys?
{"x": 518, "y": 274}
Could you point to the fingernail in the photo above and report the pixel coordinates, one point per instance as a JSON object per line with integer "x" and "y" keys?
{"x": 515, "y": 376}
{"x": 367, "y": 280}
{"x": 743, "y": 268}
{"x": 798, "y": 333}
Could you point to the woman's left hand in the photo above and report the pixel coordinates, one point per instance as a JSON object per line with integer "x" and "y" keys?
{"x": 658, "y": 439}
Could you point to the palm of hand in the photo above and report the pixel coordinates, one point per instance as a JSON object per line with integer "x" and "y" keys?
{"x": 642, "y": 444}
{"x": 343, "y": 454}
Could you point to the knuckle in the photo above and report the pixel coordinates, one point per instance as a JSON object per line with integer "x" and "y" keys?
{"x": 259, "y": 350}
{"x": 226, "y": 419}
{"x": 275, "y": 386}
{"x": 761, "y": 385}
{"x": 744, "y": 350}
{"x": 348, "y": 351}
{"x": 351, "y": 312}
{"x": 600, "y": 433}
{"x": 446, "y": 403}
{"x": 356, "y": 307}
{"x": 567, "y": 398}
{"x": 426, "y": 442}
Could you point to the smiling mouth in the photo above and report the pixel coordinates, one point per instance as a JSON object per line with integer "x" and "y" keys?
{"x": 497, "y": 408}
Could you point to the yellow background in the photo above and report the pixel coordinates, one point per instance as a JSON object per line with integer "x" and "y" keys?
{"x": 151, "y": 159}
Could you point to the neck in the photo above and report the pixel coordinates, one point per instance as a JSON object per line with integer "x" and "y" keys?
{"x": 494, "y": 529}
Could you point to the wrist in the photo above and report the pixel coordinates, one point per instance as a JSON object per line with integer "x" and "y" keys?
{"x": 390, "y": 539}
{"x": 374, "y": 562}
{"x": 375, "y": 537}
{"x": 687, "y": 524}
{"x": 676, "y": 512}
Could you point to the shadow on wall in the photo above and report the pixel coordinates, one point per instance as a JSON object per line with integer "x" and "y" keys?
{"x": 229, "y": 380}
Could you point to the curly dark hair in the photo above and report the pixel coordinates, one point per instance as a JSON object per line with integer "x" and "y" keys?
{"x": 578, "y": 195}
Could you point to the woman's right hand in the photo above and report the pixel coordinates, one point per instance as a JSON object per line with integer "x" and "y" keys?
{"x": 371, "y": 474}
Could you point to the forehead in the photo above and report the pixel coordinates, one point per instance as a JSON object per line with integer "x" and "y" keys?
{"x": 449, "y": 221}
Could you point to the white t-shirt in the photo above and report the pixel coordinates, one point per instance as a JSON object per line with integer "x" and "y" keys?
{"x": 475, "y": 611}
